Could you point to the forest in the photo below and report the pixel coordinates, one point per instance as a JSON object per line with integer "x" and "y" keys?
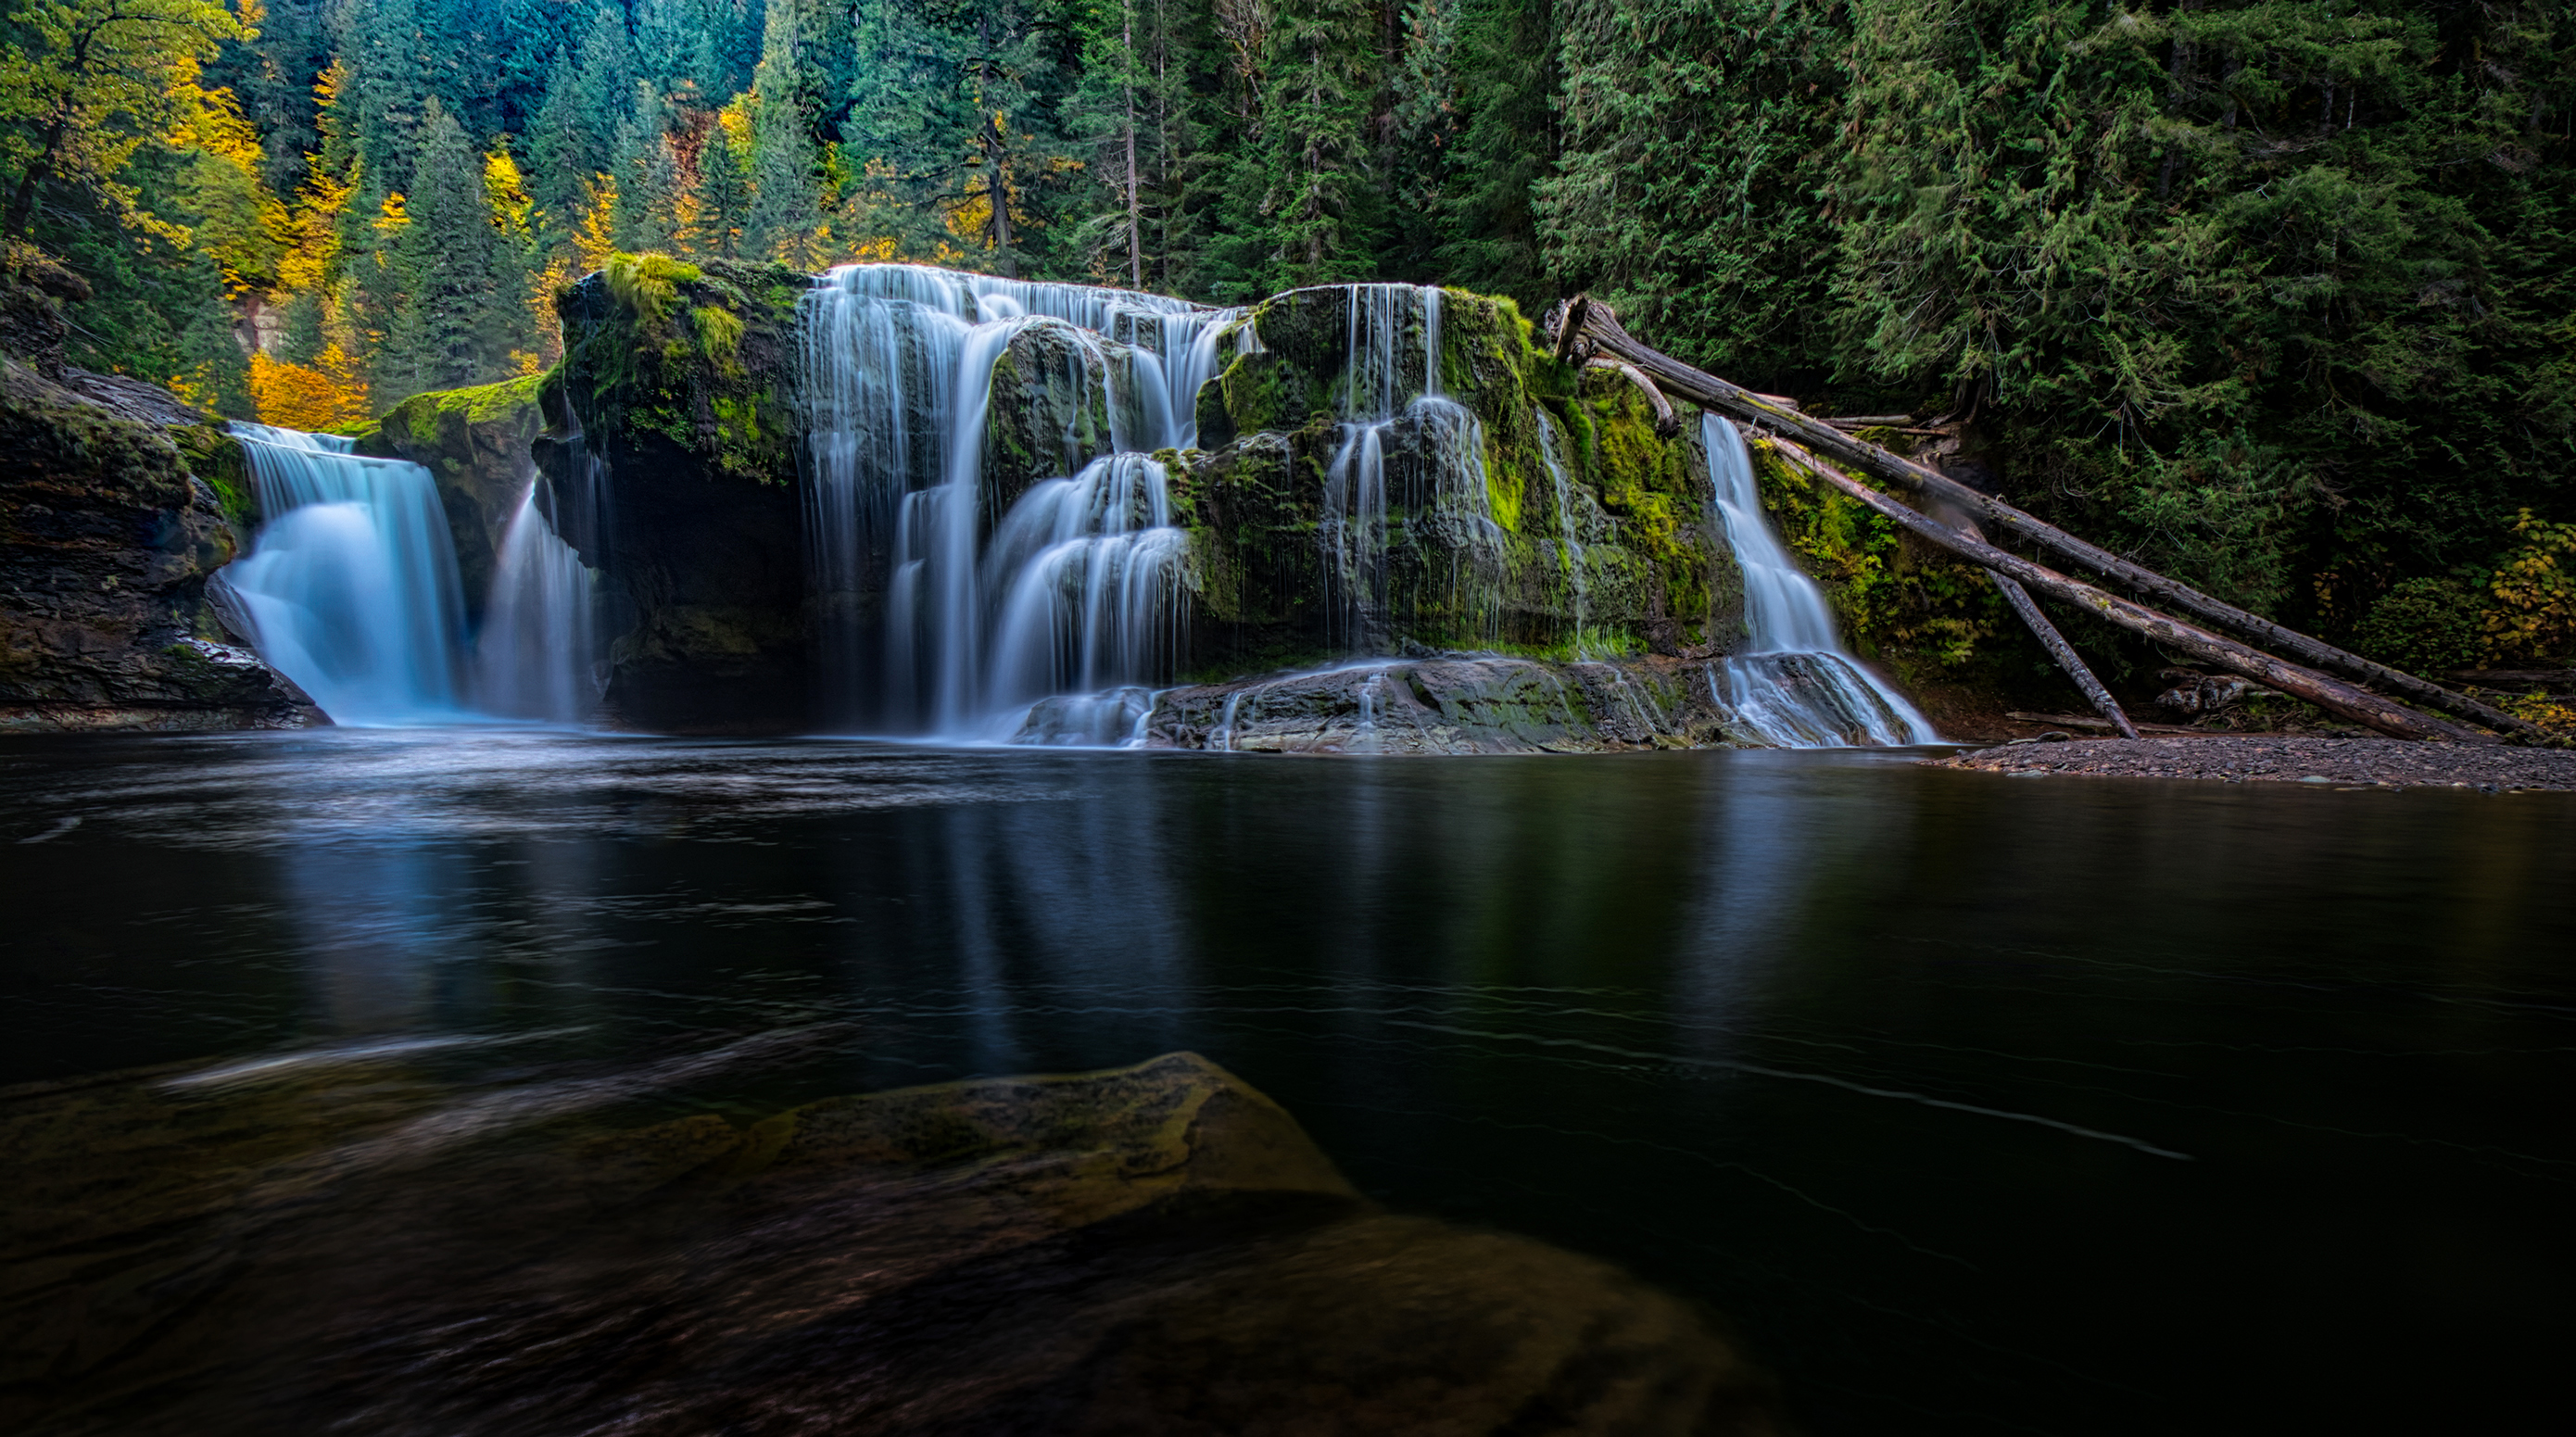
{"x": 2274, "y": 294}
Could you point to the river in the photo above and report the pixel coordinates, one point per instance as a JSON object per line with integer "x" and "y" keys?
{"x": 1974, "y": 1104}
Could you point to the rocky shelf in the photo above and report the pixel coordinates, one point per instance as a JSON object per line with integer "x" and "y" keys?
{"x": 2274, "y": 758}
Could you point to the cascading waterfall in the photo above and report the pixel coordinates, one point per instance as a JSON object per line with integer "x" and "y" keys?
{"x": 1077, "y": 584}
{"x": 1381, "y": 409}
{"x": 533, "y": 658}
{"x": 1569, "y": 539}
{"x": 351, "y": 590}
{"x": 1793, "y": 684}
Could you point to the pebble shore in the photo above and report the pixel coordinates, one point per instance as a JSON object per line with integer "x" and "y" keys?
{"x": 2277, "y": 758}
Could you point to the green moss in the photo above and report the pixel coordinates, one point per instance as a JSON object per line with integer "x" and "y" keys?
{"x": 216, "y": 457}
{"x": 698, "y": 355}
{"x": 1923, "y": 612}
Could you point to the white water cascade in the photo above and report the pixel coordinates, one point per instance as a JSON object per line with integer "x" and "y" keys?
{"x": 351, "y": 590}
{"x": 1793, "y": 684}
{"x": 1077, "y": 586}
{"x": 1381, "y": 404}
{"x": 535, "y": 656}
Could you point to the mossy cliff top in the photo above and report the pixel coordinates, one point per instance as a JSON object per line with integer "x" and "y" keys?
{"x": 475, "y": 445}
{"x": 695, "y": 356}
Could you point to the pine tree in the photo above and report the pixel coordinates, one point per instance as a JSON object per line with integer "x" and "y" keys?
{"x": 723, "y": 194}
{"x": 786, "y": 209}
{"x": 1320, "y": 205}
{"x": 646, "y": 215}
{"x": 563, "y": 164}
{"x": 457, "y": 315}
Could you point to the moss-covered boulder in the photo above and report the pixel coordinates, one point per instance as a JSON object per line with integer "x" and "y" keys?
{"x": 478, "y": 445}
{"x": 351, "y": 1242}
{"x": 1538, "y": 511}
{"x": 675, "y": 409}
{"x": 107, "y": 539}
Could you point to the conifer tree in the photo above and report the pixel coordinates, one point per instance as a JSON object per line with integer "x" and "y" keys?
{"x": 787, "y": 205}
{"x": 723, "y": 194}
{"x": 562, "y": 163}
{"x": 1319, "y": 208}
{"x": 646, "y": 215}
{"x": 458, "y": 315}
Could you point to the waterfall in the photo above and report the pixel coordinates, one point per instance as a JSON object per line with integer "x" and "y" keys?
{"x": 534, "y": 656}
{"x": 1078, "y": 583}
{"x": 1569, "y": 541}
{"x": 351, "y": 590}
{"x": 1793, "y": 684}
{"x": 1443, "y": 447}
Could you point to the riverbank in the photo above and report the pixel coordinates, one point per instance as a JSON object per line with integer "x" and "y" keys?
{"x": 2281, "y": 758}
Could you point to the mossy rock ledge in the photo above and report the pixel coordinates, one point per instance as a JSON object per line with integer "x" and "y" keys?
{"x": 672, "y": 445}
{"x": 117, "y": 503}
{"x": 1590, "y": 547}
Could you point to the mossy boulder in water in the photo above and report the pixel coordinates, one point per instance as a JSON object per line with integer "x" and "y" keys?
{"x": 477, "y": 444}
{"x": 678, "y": 382}
{"x": 1157, "y": 1248}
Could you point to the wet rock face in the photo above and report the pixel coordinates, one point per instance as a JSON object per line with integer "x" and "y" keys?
{"x": 1442, "y": 704}
{"x": 477, "y": 445}
{"x": 106, "y": 542}
{"x": 1149, "y": 1249}
{"x": 1537, "y": 509}
{"x": 676, "y": 440}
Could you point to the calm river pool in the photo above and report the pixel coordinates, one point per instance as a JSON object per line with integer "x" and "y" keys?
{"x": 1973, "y": 1104}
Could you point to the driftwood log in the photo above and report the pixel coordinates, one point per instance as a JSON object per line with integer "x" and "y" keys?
{"x": 2334, "y": 696}
{"x": 1589, "y": 326}
{"x": 2053, "y": 641}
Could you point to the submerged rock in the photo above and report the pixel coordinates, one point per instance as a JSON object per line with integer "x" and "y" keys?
{"x": 1149, "y": 1249}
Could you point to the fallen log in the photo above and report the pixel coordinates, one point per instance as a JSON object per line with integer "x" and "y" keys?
{"x": 1599, "y": 324}
{"x": 2334, "y": 696}
{"x": 2053, "y": 641}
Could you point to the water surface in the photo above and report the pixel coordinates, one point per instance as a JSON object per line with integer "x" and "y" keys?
{"x": 1977, "y": 1104}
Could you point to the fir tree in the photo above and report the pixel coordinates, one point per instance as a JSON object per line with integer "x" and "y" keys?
{"x": 458, "y": 314}
{"x": 787, "y": 206}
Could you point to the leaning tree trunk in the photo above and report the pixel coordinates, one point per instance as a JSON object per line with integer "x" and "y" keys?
{"x": 2053, "y": 641}
{"x": 2332, "y": 695}
{"x": 1586, "y": 323}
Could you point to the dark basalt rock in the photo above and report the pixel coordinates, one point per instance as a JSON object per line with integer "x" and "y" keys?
{"x": 1149, "y": 1249}
{"x": 106, "y": 542}
{"x": 678, "y": 381}
{"x": 477, "y": 445}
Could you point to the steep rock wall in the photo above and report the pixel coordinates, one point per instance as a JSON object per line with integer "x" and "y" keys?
{"x": 117, "y": 501}
{"x": 673, "y": 425}
{"x": 478, "y": 446}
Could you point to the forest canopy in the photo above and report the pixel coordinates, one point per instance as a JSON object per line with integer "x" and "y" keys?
{"x": 2275, "y": 294}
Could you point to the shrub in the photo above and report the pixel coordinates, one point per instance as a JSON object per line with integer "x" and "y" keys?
{"x": 2423, "y": 626}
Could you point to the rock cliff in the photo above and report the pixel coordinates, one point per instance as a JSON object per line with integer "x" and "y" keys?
{"x": 116, "y": 503}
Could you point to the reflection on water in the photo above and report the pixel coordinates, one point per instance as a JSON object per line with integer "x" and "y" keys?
{"x": 1980, "y": 1105}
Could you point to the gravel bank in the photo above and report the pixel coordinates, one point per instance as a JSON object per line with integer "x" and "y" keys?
{"x": 2278, "y": 758}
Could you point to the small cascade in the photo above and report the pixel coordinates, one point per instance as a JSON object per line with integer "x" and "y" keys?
{"x": 1075, "y": 584}
{"x": 1385, "y": 414}
{"x": 1569, "y": 540}
{"x": 536, "y": 655}
{"x": 1794, "y": 685}
{"x": 1086, "y": 571}
{"x": 351, "y": 590}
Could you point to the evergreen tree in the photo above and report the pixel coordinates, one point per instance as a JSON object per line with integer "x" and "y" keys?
{"x": 458, "y": 314}
{"x": 646, "y": 215}
{"x": 724, "y": 185}
{"x": 1320, "y": 206}
{"x": 561, "y": 160}
{"x": 786, "y": 209}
